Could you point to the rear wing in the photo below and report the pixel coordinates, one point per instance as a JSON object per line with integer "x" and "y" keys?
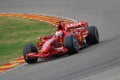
{"x": 76, "y": 25}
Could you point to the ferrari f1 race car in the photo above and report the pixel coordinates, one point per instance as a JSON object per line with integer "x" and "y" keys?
{"x": 68, "y": 39}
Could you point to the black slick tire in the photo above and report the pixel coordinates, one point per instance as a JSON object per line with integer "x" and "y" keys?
{"x": 71, "y": 43}
{"x": 93, "y": 35}
{"x": 28, "y": 49}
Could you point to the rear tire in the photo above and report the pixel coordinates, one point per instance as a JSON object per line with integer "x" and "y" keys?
{"x": 28, "y": 49}
{"x": 93, "y": 35}
{"x": 71, "y": 43}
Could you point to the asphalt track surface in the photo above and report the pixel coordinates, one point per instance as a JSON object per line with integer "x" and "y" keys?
{"x": 97, "y": 62}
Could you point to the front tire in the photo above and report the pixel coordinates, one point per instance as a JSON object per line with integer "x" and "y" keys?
{"x": 71, "y": 43}
{"x": 28, "y": 49}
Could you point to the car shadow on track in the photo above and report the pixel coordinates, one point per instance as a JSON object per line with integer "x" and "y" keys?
{"x": 57, "y": 57}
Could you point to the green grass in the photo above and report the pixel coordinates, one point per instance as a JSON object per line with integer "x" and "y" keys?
{"x": 16, "y": 32}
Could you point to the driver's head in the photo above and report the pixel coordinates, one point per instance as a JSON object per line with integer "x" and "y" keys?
{"x": 59, "y": 34}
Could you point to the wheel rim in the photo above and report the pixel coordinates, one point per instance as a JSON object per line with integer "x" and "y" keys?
{"x": 76, "y": 45}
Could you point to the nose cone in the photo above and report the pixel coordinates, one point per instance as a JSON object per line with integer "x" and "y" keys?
{"x": 47, "y": 46}
{"x": 45, "y": 49}
{"x": 45, "y": 52}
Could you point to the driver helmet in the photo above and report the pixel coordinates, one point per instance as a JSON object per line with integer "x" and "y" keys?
{"x": 59, "y": 34}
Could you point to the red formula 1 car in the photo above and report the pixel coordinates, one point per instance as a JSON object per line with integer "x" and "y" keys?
{"x": 68, "y": 39}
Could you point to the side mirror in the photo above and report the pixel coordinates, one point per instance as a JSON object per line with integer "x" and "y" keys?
{"x": 40, "y": 38}
{"x": 39, "y": 43}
